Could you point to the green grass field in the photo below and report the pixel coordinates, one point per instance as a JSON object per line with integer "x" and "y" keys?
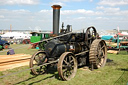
{"x": 19, "y": 49}
{"x": 114, "y": 73}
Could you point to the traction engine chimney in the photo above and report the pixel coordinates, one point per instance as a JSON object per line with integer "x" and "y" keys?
{"x": 56, "y": 18}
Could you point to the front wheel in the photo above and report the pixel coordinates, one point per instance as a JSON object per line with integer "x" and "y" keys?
{"x": 67, "y": 66}
{"x": 36, "y": 62}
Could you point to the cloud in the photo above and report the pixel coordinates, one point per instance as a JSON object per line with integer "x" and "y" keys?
{"x": 58, "y": 3}
{"x": 15, "y": 14}
{"x": 102, "y": 18}
{"x": 108, "y": 9}
{"x": 113, "y": 2}
{"x": 68, "y": 0}
{"x": 62, "y": 2}
{"x": 24, "y": 19}
{"x": 112, "y": 11}
{"x": 45, "y": 11}
{"x": 80, "y": 11}
{"x": 19, "y": 2}
{"x": 21, "y": 11}
{"x": 79, "y": 18}
{"x": 78, "y": 0}
{"x": 2, "y": 16}
{"x": 83, "y": 11}
{"x": 91, "y": 0}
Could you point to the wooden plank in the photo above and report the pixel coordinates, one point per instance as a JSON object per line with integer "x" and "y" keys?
{"x": 13, "y": 61}
{"x": 124, "y": 42}
{"x": 11, "y": 56}
{"x": 14, "y": 65}
{"x": 14, "y": 58}
{"x": 113, "y": 51}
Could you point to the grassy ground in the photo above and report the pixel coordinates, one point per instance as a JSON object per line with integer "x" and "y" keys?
{"x": 114, "y": 73}
{"x": 19, "y": 49}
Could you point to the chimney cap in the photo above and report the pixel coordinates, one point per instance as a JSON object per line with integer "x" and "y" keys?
{"x": 56, "y": 6}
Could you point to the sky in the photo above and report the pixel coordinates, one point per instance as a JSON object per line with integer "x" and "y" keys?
{"x": 38, "y": 14}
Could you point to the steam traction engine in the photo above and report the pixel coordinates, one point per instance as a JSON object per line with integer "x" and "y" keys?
{"x": 68, "y": 50}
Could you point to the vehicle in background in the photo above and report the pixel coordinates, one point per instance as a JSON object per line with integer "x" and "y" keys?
{"x": 4, "y": 44}
{"x": 38, "y": 36}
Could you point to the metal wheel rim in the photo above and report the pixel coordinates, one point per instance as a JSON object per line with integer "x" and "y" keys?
{"x": 101, "y": 55}
{"x": 98, "y": 57}
{"x": 36, "y": 61}
{"x": 66, "y": 68}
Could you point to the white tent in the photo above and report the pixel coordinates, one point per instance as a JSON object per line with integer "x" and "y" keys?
{"x": 124, "y": 33}
{"x": 16, "y": 35}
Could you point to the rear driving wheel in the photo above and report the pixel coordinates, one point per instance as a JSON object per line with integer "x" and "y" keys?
{"x": 98, "y": 53}
{"x": 67, "y": 66}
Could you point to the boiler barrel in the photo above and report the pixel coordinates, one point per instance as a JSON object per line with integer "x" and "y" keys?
{"x": 55, "y": 48}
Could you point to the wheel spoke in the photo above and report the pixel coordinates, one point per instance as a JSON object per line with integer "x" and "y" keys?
{"x": 66, "y": 62}
{"x": 64, "y": 70}
{"x": 70, "y": 57}
{"x": 64, "y": 66}
{"x": 98, "y": 60}
{"x": 102, "y": 47}
{"x": 102, "y": 54}
{"x": 36, "y": 59}
{"x": 73, "y": 66}
{"x": 100, "y": 64}
{"x": 71, "y": 61}
{"x": 40, "y": 69}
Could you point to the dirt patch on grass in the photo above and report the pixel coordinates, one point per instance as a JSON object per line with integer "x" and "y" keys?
{"x": 110, "y": 63}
